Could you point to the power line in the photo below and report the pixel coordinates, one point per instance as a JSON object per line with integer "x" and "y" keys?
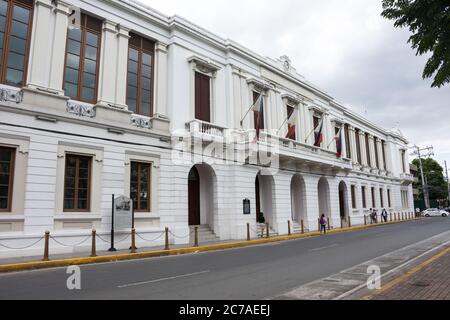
{"x": 426, "y": 152}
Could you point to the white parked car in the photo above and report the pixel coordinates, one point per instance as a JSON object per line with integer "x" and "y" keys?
{"x": 435, "y": 213}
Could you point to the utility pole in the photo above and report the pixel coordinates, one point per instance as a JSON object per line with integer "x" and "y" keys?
{"x": 448, "y": 183}
{"x": 419, "y": 153}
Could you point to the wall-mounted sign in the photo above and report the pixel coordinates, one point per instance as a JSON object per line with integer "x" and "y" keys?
{"x": 247, "y": 207}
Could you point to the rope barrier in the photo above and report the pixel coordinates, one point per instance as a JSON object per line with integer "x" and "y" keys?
{"x": 157, "y": 238}
{"x": 22, "y": 248}
{"x": 175, "y": 236}
{"x": 72, "y": 245}
{"x": 102, "y": 239}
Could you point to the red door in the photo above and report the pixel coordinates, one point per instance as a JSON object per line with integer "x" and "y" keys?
{"x": 202, "y": 98}
{"x": 194, "y": 197}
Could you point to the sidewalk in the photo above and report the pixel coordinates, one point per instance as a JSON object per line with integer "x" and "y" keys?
{"x": 428, "y": 281}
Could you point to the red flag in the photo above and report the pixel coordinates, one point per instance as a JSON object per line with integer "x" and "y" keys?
{"x": 318, "y": 135}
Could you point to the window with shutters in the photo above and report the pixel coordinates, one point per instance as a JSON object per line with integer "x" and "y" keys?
{"x": 369, "y": 160}
{"x": 364, "y": 199}
{"x": 291, "y": 127}
{"x": 353, "y": 188}
{"x": 82, "y": 60}
{"x": 140, "y": 75}
{"x": 15, "y": 33}
{"x": 258, "y": 113}
{"x": 77, "y": 183}
{"x": 202, "y": 97}
{"x": 7, "y": 159}
{"x": 358, "y": 145}
{"x": 140, "y": 186}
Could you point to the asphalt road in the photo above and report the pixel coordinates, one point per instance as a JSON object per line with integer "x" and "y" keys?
{"x": 260, "y": 272}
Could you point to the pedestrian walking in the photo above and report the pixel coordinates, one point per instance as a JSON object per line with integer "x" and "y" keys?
{"x": 384, "y": 215}
{"x": 323, "y": 224}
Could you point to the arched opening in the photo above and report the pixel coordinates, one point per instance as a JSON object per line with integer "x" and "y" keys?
{"x": 324, "y": 197}
{"x": 298, "y": 198}
{"x": 263, "y": 195}
{"x": 343, "y": 206}
{"x": 201, "y": 196}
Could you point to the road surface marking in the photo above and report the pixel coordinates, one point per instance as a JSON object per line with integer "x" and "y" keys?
{"x": 163, "y": 279}
{"x": 323, "y": 248}
{"x": 354, "y": 290}
{"x": 407, "y": 275}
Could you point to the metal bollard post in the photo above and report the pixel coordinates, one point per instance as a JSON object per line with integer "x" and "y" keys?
{"x": 329, "y": 226}
{"x": 365, "y": 220}
{"x": 94, "y": 246}
{"x": 342, "y": 223}
{"x": 196, "y": 237}
{"x": 303, "y": 226}
{"x": 289, "y": 228}
{"x": 267, "y": 231}
{"x": 46, "y": 246}
{"x": 262, "y": 232}
{"x": 390, "y": 216}
{"x": 248, "y": 231}
{"x": 349, "y": 221}
{"x": 133, "y": 240}
{"x": 318, "y": 223}
{"x": 167, "y": 238}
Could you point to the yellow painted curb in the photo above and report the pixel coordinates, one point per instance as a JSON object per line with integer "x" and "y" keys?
{"x": 407, "y": 275}
{"x": 172, "y": 252}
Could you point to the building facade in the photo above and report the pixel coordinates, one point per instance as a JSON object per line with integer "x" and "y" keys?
{"x": 118, "y": 99}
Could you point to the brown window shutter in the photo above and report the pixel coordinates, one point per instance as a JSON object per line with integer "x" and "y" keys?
{"x": 202, "y": 97}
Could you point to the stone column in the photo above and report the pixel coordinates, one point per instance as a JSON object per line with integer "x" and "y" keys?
{"x": 353, "y": 148}
{"x": 122, "y": 67}
{"x": 364, "y": 155}
{"x": 108, "y": 58}
{"x": 160, "y": 101}
{"x": 380, "y": 154}
{"x": 373, "y": 162}
{"x": 48, "y": 44}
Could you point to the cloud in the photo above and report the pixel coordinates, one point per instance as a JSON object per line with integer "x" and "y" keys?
{"x": 343, "y": 46}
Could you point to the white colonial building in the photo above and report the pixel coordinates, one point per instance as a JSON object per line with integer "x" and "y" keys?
{"x": 122, "y": 100}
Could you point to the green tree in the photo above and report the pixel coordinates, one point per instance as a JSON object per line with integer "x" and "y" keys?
{"x": 429, "y": 22}
{"x": 434, "y": 173}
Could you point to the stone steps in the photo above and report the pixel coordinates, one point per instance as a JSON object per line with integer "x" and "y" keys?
{"x": 205, "y": 235}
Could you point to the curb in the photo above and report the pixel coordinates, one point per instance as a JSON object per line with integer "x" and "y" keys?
{"x": 26, "y": 266}
{"x": 407, "y": 275}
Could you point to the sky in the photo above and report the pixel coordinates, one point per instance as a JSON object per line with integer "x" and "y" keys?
{"x": 343, "y": 46}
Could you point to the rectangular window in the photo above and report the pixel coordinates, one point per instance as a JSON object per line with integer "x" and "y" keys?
{"x": 258, "y": 115}
{"x": 363, "y": 193}
{"x": 358, "y": 145}
{"x": 77, "y": 183}
{"x": 381, "y": 198}
{"x": 291, "y": 127}
{"x": 347, "y": 141}
{"x": 373, "y": 198}
{"x": 369, "y": 162}
{"x": 383, "y": 149}
{"x": 140, "y": 186}
{"x": 7, "y": 157}
{"x": 82, "y": 60}
{"x": 353, "y": 197}
{"x": 202, "y": 97}
{"x": 140, "y": 75}
{"x": 15, "y": 33}
{"x": 389, "y": 198}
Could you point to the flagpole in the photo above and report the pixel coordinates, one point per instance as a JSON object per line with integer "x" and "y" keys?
{"x": 252, "y": 106}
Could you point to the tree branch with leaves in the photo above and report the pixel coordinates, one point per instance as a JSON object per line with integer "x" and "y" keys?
{"x": 429, "y": 22}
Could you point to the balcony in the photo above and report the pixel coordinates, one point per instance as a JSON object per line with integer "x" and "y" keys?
{"x": 288, "y": 150}
{"x": 406, "y": 178}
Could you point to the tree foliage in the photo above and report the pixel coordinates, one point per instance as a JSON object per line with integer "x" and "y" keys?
{"x": 434, "y": 174}
{"x": 429, "y": 22}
